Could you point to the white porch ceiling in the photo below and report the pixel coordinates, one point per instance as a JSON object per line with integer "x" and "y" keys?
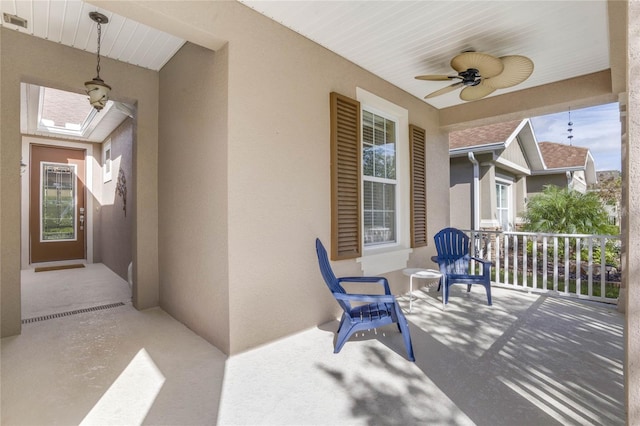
{"x": 68, "y": 22}
{"x": 398, "y": 40}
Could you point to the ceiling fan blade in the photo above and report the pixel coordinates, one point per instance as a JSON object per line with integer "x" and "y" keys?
{"x": 516, "y": 70}
{"x": 472, "y": 93}
{"x": 436, "y": 77}
{"x": 487, "y": 65}
{"x": 444, "y": 90}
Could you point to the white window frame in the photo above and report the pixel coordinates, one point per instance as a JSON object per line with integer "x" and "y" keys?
{"x": 388, "y": 257}
{"x": 107, "y": 162}
{"x": 508, "y": 187}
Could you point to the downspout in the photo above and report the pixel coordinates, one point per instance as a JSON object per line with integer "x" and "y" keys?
{"x": 476, "y": 191}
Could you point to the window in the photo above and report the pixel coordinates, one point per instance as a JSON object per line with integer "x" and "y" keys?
{"x": 502, "y": 205}
{"x": 106, "y": 161}
{"x": 378, "y": 183}
{"x": 379, "y": 179}
{"x": 57, "y": 202}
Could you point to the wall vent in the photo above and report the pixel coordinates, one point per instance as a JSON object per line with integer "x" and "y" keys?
{"x": 15, "y": 20}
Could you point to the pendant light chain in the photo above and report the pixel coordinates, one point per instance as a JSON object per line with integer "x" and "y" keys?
{"x": 99, "y": 34}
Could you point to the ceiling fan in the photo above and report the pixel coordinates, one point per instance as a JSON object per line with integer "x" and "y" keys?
{"x": 480, "y": 74}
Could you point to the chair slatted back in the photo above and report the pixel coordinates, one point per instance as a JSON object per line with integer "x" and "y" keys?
{"x": 452, "y": 246}
{"x": 325, "y": 269}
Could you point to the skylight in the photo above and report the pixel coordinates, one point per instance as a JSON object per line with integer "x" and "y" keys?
{"x": 65, "y": 113}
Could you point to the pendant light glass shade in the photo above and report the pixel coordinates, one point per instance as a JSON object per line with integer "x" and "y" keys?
{"x": 98, "y": 92}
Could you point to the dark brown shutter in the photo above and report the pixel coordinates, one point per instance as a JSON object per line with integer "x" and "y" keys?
{"x": 417, "y": 147}
{"x": 346, "y": 238}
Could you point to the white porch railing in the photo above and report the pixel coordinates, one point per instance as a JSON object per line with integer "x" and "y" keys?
{"x": 583, "y": 266}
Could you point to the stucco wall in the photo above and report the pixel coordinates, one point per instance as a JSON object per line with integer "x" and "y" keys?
{"x": 279, "y": 181}
{"x": 461, "y": 193}
{"x": 631, "y": 218}
{"x": 115, "y": 222}
{"x": 193, "y": 235}
{"x": 40, "y": 61}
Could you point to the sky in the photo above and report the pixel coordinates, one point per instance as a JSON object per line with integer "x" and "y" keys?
{"x": 596, "y": 128}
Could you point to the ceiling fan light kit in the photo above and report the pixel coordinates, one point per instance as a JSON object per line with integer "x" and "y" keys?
{"x": 480, "y": 74}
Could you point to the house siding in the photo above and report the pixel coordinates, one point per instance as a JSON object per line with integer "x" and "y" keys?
{"x": 514, "y": 154}
{"x": 536, "y": 184}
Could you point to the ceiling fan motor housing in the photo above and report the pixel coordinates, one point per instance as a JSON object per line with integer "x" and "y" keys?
{"x": 470, "y": 77}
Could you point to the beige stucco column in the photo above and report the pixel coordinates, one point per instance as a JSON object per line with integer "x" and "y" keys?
{"x": 631, "y": 208}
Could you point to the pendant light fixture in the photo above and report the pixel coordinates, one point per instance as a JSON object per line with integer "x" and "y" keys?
{"x": 97, "y": 89}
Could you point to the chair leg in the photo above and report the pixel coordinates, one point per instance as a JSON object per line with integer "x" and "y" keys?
{"x": 445, "y": 293}
{"x": 488, "y": 289}
{"x": 403, "y": 325}
{"x": 344, "y": 332}
{"x": 468, "y": 288}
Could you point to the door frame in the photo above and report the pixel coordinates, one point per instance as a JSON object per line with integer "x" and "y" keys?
{"x": 90, "y": 164}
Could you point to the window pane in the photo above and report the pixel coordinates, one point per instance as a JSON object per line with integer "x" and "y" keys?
{"x": 390, "y": 131}
{"x": 367, "y": 127}
{"x": 390, "y": 165}
{"x": 367, "y": 160}
{"x": 58, "y": 202}
{"x": 379, "y": 213}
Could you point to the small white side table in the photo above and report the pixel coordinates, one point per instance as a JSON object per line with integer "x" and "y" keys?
{"x": 427, "y": 274}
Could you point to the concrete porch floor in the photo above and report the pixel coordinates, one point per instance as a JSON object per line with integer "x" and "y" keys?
{"x": 528, "y": 360}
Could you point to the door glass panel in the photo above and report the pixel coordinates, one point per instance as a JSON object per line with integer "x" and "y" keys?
{"x": 58, "y": 202}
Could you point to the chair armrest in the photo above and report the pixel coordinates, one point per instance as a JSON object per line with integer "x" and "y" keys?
{"x": 368, "y": 298}
{"x": 373, "y": 280}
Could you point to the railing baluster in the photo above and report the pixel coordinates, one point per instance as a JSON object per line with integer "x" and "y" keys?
{"x": 566, "y": 265}
{"x": 525, "y": 265}
{"x": 534, "y": 268}
{"x": 603, "y": 268}
{"x": 555, "y": 264}
{"x": 515, "y": 260}
{"x": 545, "y": 268}
{"x": 506, "y": 259}
{"x": 578, "y": 267}
{"x": 590, "y": 267}
{"x": 498, "y": 259}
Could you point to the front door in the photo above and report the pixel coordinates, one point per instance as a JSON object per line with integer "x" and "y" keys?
{"x": 57, "y": 204}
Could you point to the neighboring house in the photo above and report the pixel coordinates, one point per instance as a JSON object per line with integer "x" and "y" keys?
{"x": 565, "y": 166}
{"x": 495, "y": 169}
{"x": 609, "y": 187}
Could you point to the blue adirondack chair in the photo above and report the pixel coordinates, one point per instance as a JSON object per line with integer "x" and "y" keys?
{"x": 374, "y": 310}
{"x": 453, "y": 260}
